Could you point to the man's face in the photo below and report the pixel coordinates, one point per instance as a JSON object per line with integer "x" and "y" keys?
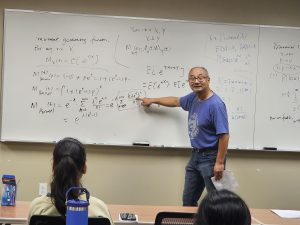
{"x": 198, "y": 80}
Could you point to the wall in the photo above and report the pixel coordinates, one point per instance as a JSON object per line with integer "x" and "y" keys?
{"x": 123, "y": 175}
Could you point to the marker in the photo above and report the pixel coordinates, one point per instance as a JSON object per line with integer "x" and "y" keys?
{"x": 141, "y": 143}
{"x": 270, "y": 148}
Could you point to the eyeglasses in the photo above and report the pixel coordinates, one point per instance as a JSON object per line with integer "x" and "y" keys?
{"x": 193, "y": 79}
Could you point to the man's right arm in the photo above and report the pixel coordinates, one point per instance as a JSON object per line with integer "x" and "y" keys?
{"x": 170, "y": 101}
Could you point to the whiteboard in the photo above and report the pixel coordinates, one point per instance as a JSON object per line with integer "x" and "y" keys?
{"x": 78, "y": 75}
{"x": 278, "y": 89}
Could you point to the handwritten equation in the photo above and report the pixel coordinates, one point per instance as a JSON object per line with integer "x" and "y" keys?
{"x": 73, "y": 77}
{"x": 286, "y": 74}
{"x": 235, "y": 48}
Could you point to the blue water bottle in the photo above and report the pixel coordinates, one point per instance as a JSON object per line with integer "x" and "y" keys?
{"x": 77, "y": 210}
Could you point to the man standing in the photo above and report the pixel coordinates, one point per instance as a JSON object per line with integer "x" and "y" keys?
{"x": 208, "y": 132}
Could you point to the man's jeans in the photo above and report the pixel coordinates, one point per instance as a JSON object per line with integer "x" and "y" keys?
{"x": 198, "y": 173}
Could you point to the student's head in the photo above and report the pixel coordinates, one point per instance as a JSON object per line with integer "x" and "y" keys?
{"x": 69, "y": 163}
{"x": 223, "y": 208}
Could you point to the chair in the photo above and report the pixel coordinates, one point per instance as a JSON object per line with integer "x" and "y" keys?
{"x": 175, "y": 218}
{"x": 60, "y": 220}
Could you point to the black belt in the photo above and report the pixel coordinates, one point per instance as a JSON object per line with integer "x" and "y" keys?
{"x": 204, "y": 149}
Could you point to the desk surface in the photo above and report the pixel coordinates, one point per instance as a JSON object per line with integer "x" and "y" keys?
{"x": 146, "y": 213}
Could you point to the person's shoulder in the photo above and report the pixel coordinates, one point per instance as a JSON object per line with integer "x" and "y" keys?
{"x": 190, "y": 96}
{"x": 41, "y": 200}
{"x": 216, "y": 98}
{"x": 42, "y": 205}
{"x": 97, "y": 202}
{"x": 216, "y": 104}
{"x": 97, "y": 207}
{"x": 186, "y": 101}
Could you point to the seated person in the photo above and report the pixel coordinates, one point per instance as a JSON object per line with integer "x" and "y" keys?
{"x": 69, "y": 164}
{"x": 223, "y": 208}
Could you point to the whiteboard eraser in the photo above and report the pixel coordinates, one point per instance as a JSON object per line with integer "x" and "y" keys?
{"x": 270, "y": 148}
{"x": 141, "y": 143}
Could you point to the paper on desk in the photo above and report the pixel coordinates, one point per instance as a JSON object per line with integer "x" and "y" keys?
{"x": 228, "y": 181}
{"x": 287, "y": 213}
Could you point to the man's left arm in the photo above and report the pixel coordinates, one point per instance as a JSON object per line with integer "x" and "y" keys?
{"x": 222, "y": 150}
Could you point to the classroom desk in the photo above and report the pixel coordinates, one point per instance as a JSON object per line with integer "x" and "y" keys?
{"x": 146, "y": 214}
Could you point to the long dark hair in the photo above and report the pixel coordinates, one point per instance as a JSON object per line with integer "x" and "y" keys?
{"x": 223, "y": 208}
{"x": 69, "y": 159}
